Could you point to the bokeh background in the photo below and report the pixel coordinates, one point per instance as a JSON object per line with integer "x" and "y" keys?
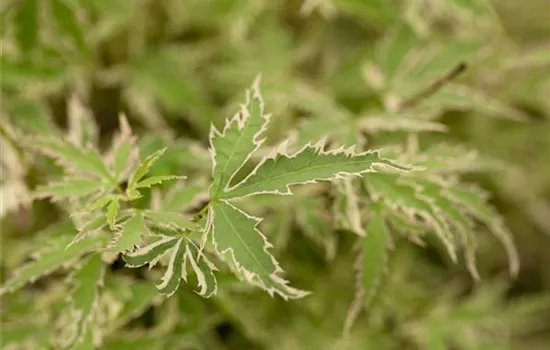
{"x": 174, "y": 67}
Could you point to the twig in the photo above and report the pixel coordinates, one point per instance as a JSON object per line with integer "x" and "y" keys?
{"x": 434, "y": 87}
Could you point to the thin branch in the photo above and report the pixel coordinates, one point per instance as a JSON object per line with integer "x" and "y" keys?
{"x": 434, "y": 87}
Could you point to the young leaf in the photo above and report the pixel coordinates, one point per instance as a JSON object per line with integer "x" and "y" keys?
{"x": 71, "y": 187}
{"x": 55, "y": 256}
{"x": 398, "y": 195}
{"x": 234, "y": 232}
{"x": 239, "y": 139}
{"x": 472, "y": 199}
{"x": 376, "y": 245}
{"x": 130, "y": 234}
{"x": 26, "y": 24}
{"x": 87, "y": 281}
{"x": 176, "y": 269}
{"x": 144, "y": 167}
{"x": 173, "y": 220}
{"x": 149, "y": 254}
{"x": 204, "y": 269}
{"x": 71, "y": 156}
{"x": 311, "y": 164}
{"x": 184, "y": 198}
{"x": 112, "y": 212}
{"x": 155, "y": 180}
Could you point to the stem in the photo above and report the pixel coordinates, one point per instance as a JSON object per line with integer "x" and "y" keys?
{"x": 434, "y": 87}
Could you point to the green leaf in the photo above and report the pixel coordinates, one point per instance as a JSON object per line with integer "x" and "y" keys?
{"x": 155, "y": 180}
{"x": 176, "y": 269}
{"x": 473, "y": 200}
{"x": 26, "y": 24}
{"x": 72, "y": 187}
{"x": 204, "y": 269}
{"x": 87, "y": 281}
{"x": 311, "y": 164}
{"x": 376, "y": 245}
{"x": 234, "y": 232}
{"x": 149, "y": 254}
{"x": 239, "y": 139}
{"x": 184, "y": 198}
{"x": 65, "y": 19}
{"x": 396, "y": 194}
{"x": 71, "y": 156}
{"x": 52, "y": 258}
{"x": 143, "y": 168}
{"x": 172, "y": 220}
{"x": 112, "y": 212}
{"x": 130, "y": 234}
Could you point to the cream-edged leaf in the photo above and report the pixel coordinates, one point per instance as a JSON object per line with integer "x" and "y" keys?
{"x": 311, "y": 164}
{"x": 52, "y": 258}
{"x": 239, "y": 138}
{"x": 130, "y": 234}
{"x": 71, "y": 187}
{"x": 157, "y": 180}
{"x": 234, "y": 233}
{"x": 81, "y": 316}
{"x": 204, "y": 270}
{"x": 401, "y": 196}
{"x": 376, "y": 246}
{"x": 149, "y": 254}
{"x": 176, "y": 269}
{"x": 144, "y": 167}
{"x": 72, "y": 157}
{"x": 171, "y": 220}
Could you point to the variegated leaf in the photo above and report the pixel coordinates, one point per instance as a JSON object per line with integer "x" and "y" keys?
{"x": 151, "y": 253}
{"x": 240, "y": 137}
{"x": 311, "y": 164}
{"x": 87, "y": 161}
{"x": 130, "y": 234}
{"x": 86, "y": 280}
{"x": 52, "y": 258}
{"x": 143, "y": 168}
{"x": 72, "y": 187}
{"x": 235, "y": 233}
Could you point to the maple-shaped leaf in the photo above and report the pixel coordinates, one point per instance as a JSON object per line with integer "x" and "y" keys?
{"x": 80, "y": 322}
{"x": 234, "y": 232}
{"x": 130, "y": 234}
{"x": 57, "y": 254}
{"x": 72, "y": 157}
{"x": 240, "y": 137}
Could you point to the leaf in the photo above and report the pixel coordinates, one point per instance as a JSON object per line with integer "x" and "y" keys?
{"x": 112, "y": 212}
{"x": 176, "y": 269}
{"x": 87, "y": 281}
{"x": 72, "y": 187}
{"x": 55, "y": 256}
{"x": 149, "y": 254}
{"x": 67, "y": 23}
{"x": 173, "y": 220}
{"x": 130, "y": 234}
{"x": 184, "y": 198}
{"x": 155, "y": 180}
{"x": 26, "y": 25}
{"x": 143, "y": 168}
{"x": 204, "y": 269}
{"x": 309, "y": 165}
{"x": 465, "y": 98}
{"x": 71, "y": 156}
{"x": 401, "y": 196}
{"x": 472, "y": 199}
{"x": 376, "y": 245}
{"x": 239, "y": 139}
{"x": 234, "y": 232}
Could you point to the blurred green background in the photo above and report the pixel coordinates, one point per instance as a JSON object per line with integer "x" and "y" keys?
{"x": 173, "y": 67}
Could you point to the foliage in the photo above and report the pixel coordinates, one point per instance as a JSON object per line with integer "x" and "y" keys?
{"x": 378, "y": 157}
